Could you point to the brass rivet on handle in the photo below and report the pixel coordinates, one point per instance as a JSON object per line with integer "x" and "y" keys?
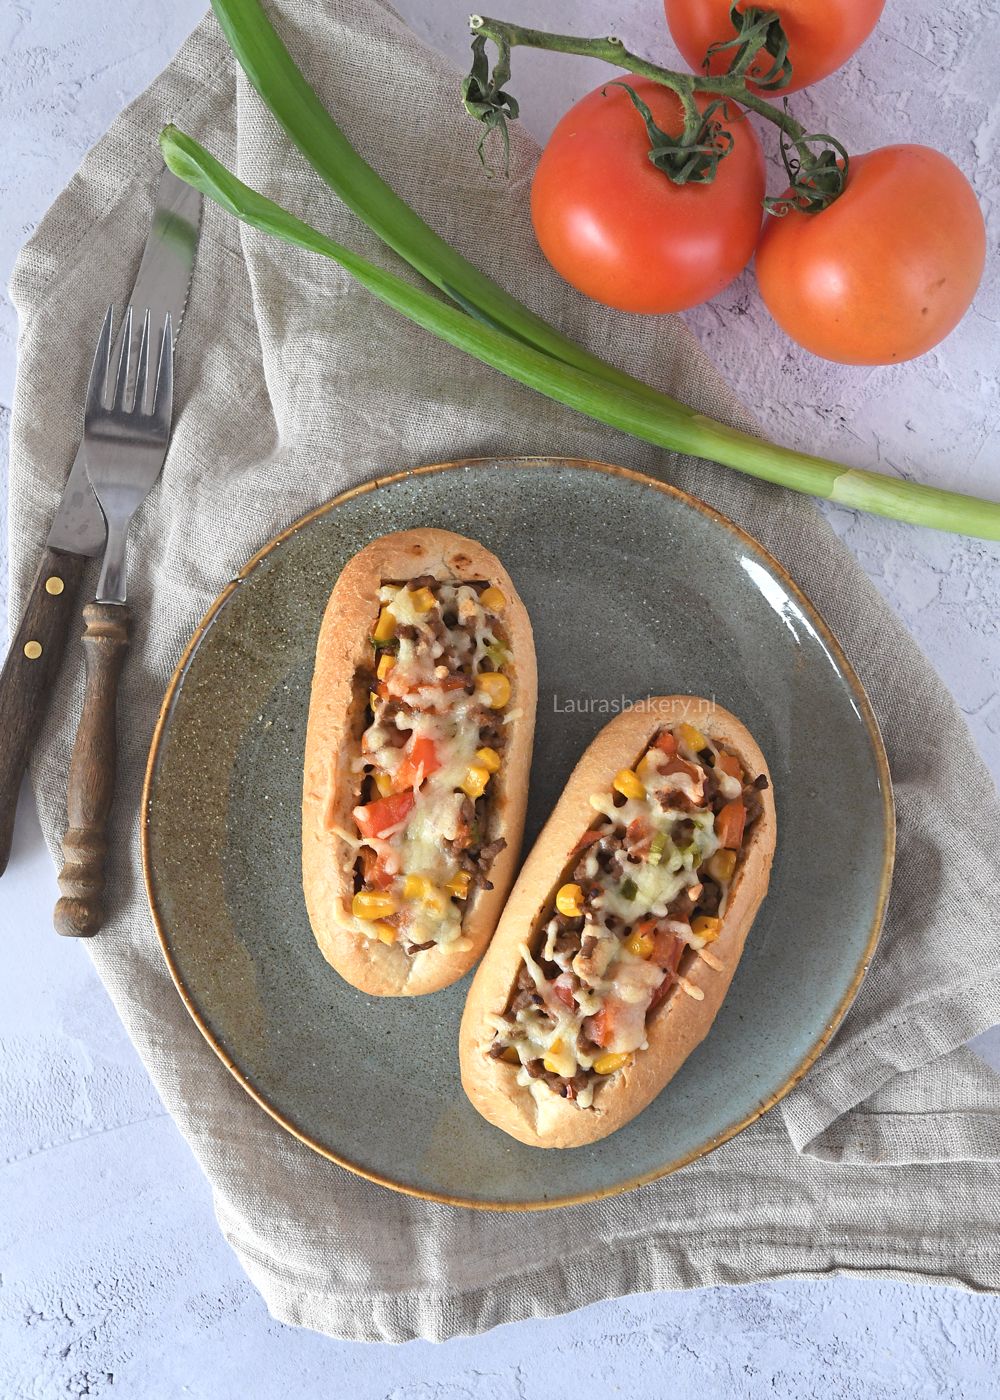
{"x": 54, "y": 585}
{"x": 32, "y": 650}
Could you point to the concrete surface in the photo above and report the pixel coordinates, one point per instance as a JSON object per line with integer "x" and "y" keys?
{"x": 113, "y": 1277}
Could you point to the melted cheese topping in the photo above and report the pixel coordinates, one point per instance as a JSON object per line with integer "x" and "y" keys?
{"x": 420, "y": 745}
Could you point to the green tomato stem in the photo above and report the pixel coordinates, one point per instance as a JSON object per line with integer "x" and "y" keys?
{"x": 612, "y": 50}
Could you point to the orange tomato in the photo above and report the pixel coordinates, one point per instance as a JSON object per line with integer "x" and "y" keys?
{"x": 887, "y": 270}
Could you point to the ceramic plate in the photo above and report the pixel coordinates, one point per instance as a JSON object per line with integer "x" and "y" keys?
{"x": 633, "y": 589}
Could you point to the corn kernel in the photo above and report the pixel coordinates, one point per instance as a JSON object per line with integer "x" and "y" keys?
{"x": 423, "y": 600}
{"x": 372, "y": 699}
{"x": 385, "y": 627}
{"x": 385, "y": 664}
{"x": 458, "y": 885}
{"x": 385, "y": 933}
{"x": 373, "y": 904}
{"x": 704, "y": 926}
{"x": 489, "y": 758}
{"x": 492, "y": 599}
{"x": 721, "y": 865}
{"x": 557, "y": 1061}
{"x": 629, "y": 784}
{"x": 608, "y": 1063}
{"x": 416, "y": 887}
{"x": 569, "y": 901}
{"x": 511, "y": 1056}
{"x": 640, "y": 945}
{"x": 384, "y": 784}
{"x": 475, "y": 780}
{"x": 692, "y": 738}
{"x": 494, "y": 688}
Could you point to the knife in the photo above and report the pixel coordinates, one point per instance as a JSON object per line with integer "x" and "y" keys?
{"x": 78, "y": 531}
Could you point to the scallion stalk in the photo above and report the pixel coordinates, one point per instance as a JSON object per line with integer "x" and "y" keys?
{"x": 296, "y": 106}
{"x": 656, "y": 419}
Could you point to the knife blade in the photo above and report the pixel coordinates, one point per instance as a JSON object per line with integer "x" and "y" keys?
{"x": 162, "y": 283}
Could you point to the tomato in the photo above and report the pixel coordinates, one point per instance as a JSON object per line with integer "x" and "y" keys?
{"x": 421, "y": 755}
{"x": 887, "y": 270}
{"x": 729, "y": 823}
{"x": 601, "y": 1027}
{"x": 666, "y": 743}
{"x": 620, "y": 230}
{"x": 822, "y": 34}
{"x": 384, "y": 813}
{"x": 729, "y": 764}
{"x": 563, "y": 991}
{"x": 667, "y": 950}
{"x": 376, "y": 877}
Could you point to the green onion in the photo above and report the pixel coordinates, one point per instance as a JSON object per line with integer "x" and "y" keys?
{"x": 629, "y": 889}
{"x": 272, "y": 71}
{"x": 652, "y": 417}
{"x": 498, "y": 654}
{"x": 657, "y": 846}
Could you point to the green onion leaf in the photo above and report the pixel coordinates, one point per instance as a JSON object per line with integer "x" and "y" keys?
{"x": 629, "y": 889}
{"x": 296, "y": 106}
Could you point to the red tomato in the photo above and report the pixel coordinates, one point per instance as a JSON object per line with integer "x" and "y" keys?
{"x": 384, "y": 813}
{"x": 666, "y": 743}
{"x": 421, "y": 755}
{"x": 601, "y": 1028}
{"x": 376, "y": 877}
{"x": 887, "y": 270}
{"x": 729, "y": 823}
{"x": 822, "y": 34}
{"x": 728, "y": 763}
{"x": 667, "y": 950}
{"x": 563, "y": 991}
{"x": 620, "y": 230}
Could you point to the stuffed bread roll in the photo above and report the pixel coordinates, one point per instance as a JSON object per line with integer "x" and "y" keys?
{"x": 416, "y": 766}
{"x": 622, "y": 934}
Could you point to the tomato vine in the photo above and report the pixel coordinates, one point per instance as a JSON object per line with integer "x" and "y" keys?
{"x": 816, "y": 163}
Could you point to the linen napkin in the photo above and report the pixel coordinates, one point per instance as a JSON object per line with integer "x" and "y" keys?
{"x": 293, "y": 383}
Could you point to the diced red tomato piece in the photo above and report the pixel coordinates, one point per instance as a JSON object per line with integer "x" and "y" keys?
{"x": 639, "y": 835}
{"x": 563, "y": 992}
{"x": 729, "y": 824}
{"x": 667, "y": 950}
{"x": 587, "y": 839}
{"x": 666, "y": 742}
{"x": 384, "y": 813}
{"x": 373, "y": 870}
{"x": 421, "y": 755}
{"x": 601, "y": 1028}
{"x": 730, "y": 764}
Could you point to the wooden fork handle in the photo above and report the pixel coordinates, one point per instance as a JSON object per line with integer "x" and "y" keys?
{"x": 29, "y": 674}
{"x": 80, "y": 911}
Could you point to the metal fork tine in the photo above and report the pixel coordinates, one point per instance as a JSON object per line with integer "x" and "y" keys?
{"x": 121, "y": 378}
{"x": 142, "y": 367}
{"x": 163, "y": 394}
{"x": 98, "y": 387}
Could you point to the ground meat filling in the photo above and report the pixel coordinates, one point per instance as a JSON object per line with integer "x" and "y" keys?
{"x": 644, "y": 899}
{"x": 439, "y": 690}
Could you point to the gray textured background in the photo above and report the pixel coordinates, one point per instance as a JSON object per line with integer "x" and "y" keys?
{"x": 113, "y": 1278}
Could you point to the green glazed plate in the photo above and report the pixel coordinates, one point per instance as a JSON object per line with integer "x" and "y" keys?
{"x": 633, "y": 589}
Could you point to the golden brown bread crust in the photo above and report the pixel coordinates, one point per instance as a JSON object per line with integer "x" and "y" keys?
{"x": 681, "y": 1022}
{"x": 337, "y": 713}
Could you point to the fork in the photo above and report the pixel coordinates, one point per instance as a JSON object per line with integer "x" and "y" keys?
{"x": 125, "y": 442}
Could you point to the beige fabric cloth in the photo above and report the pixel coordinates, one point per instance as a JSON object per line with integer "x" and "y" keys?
{"x": 295, "y": 383}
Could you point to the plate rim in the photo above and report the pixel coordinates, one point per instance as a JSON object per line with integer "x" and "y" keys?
{"x": 864, "y": 707}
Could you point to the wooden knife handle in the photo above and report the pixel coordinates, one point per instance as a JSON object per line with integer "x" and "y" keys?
{"x": 29, "y": 675}
{"x": 80, "y": 911}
